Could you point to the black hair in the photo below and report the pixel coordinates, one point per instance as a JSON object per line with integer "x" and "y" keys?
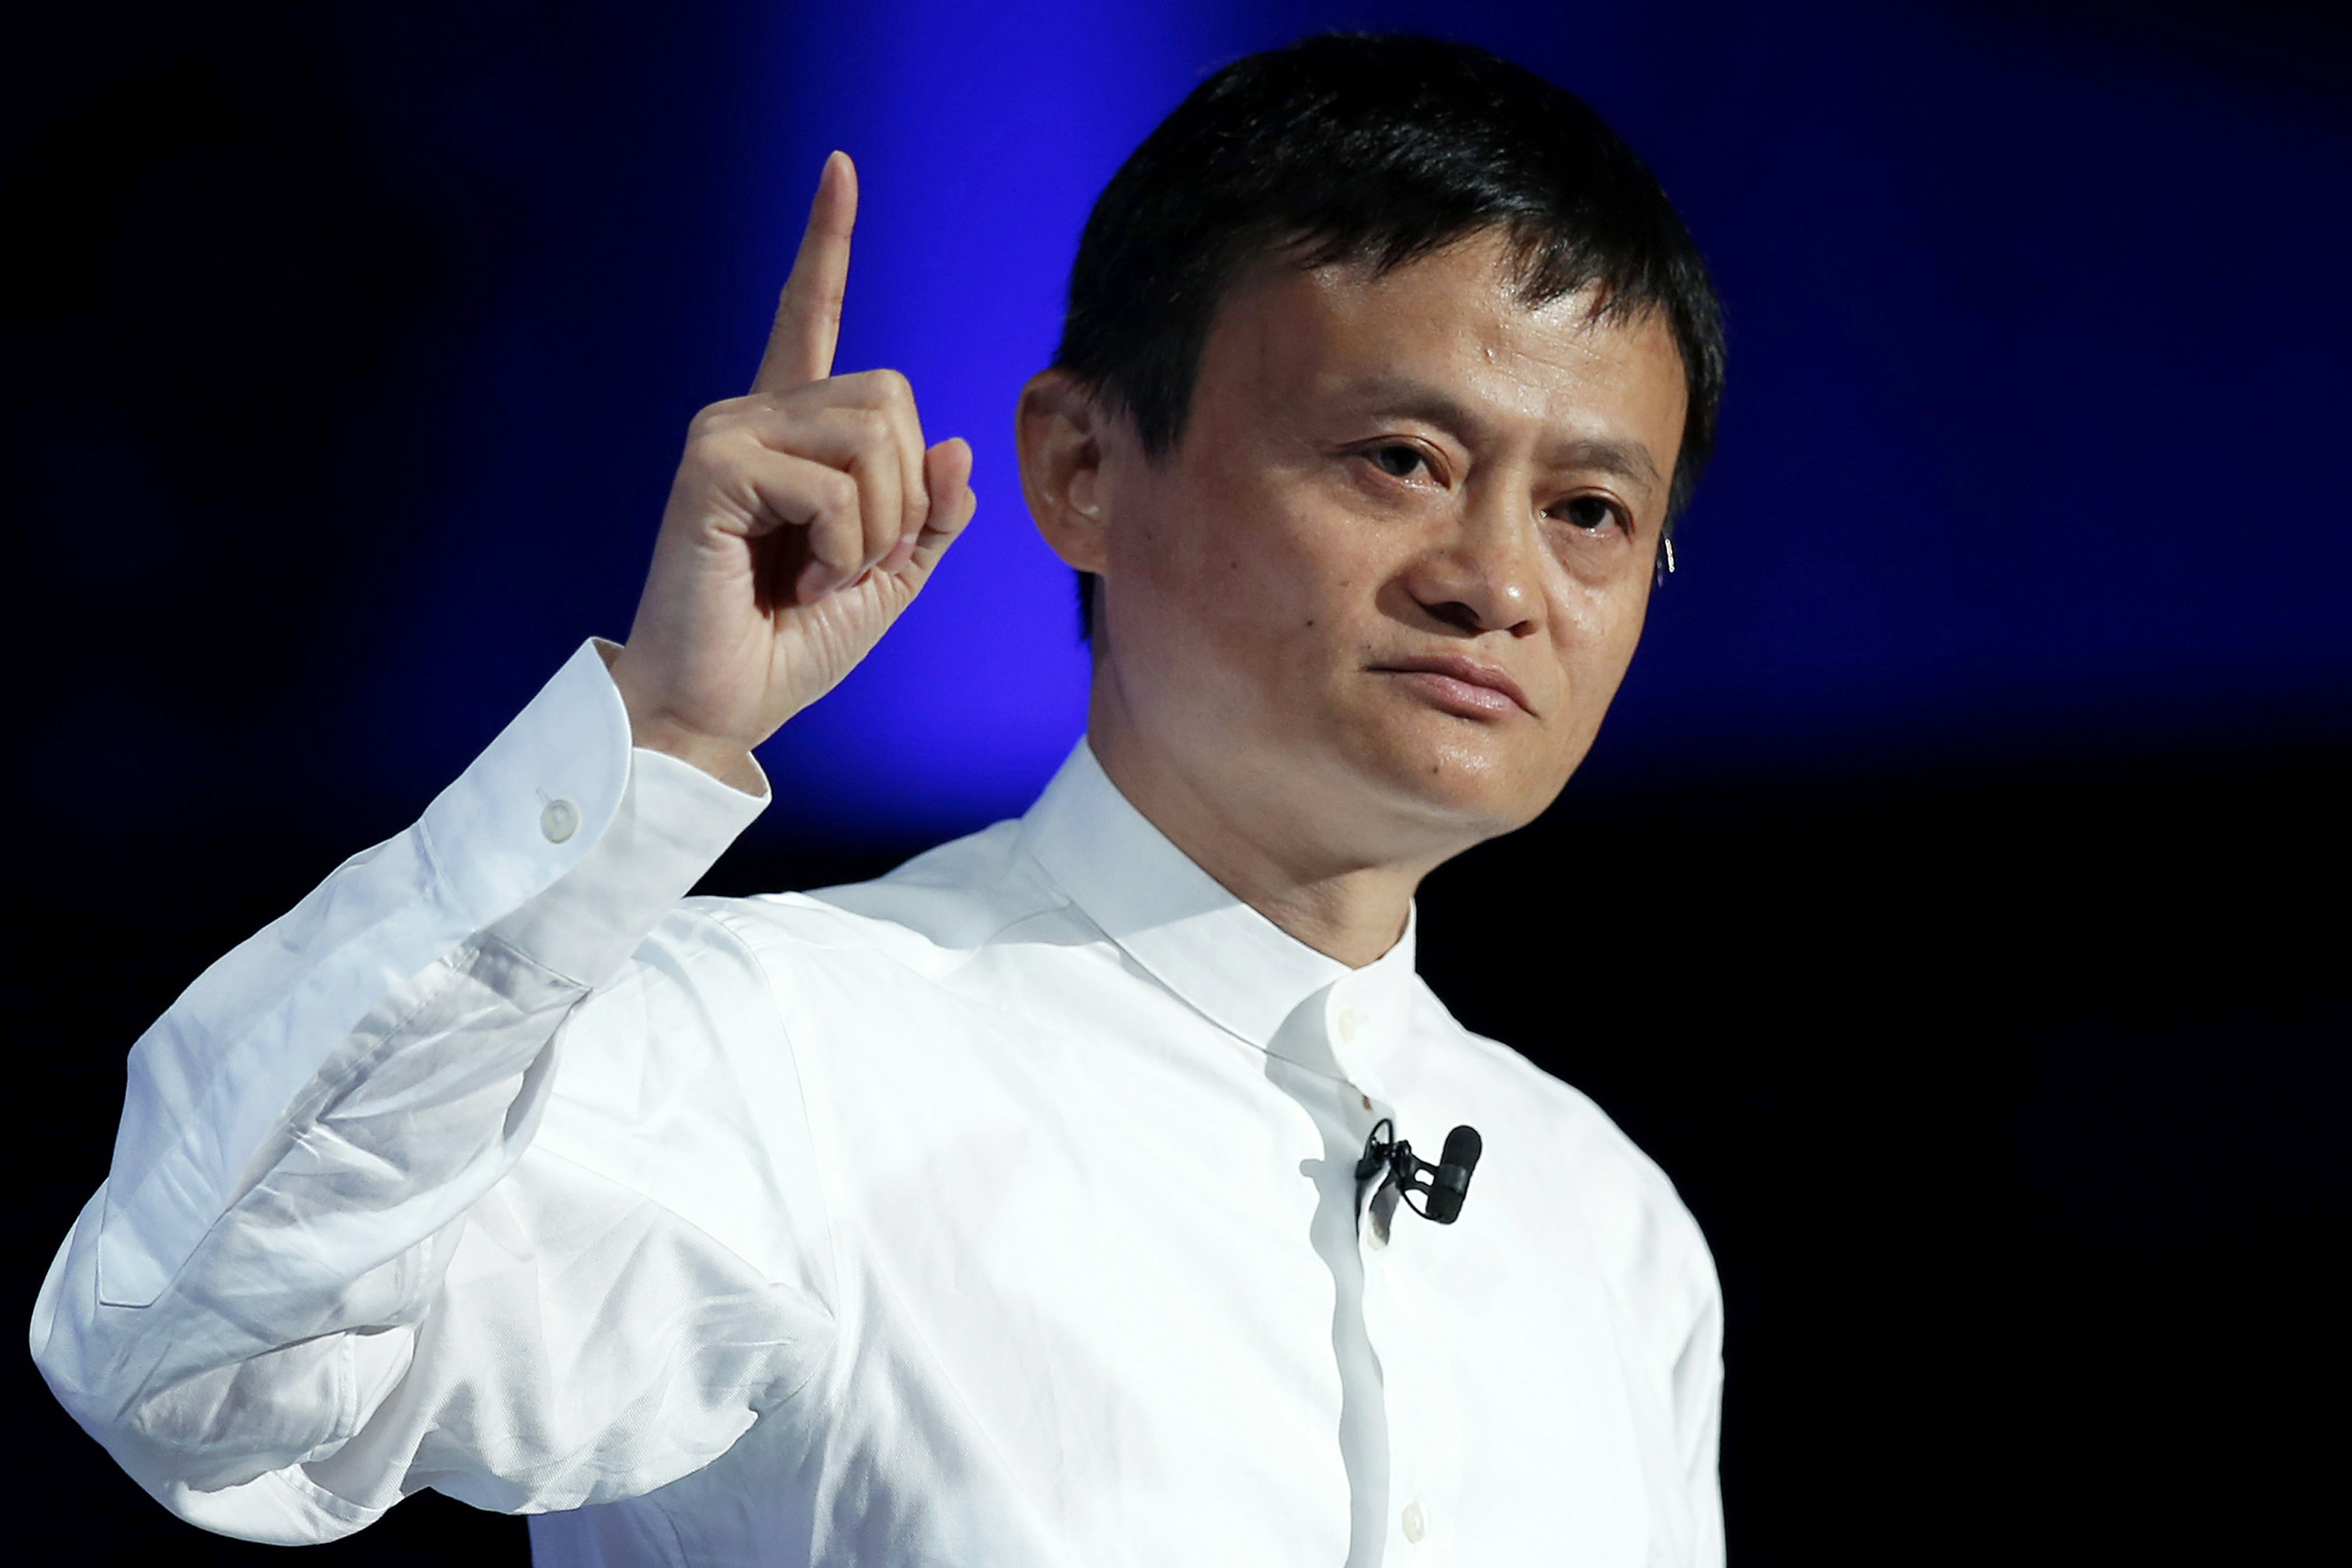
{"x": 1348, "y": 148}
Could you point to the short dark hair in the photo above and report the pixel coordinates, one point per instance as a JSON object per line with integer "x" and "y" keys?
{"x": 1352, "y": 148}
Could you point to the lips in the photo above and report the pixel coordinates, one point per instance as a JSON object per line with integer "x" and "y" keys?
{"x": 1461, "y": 685}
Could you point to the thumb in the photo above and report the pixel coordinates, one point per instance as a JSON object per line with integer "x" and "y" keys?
{"x": 947, "y": 473}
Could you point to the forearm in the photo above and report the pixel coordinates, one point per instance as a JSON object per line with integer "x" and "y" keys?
{"x": 308, "y": 1123}
{"x": 295, "y": 1310}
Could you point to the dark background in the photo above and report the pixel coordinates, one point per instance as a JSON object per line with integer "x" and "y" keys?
{"x": 1952, "y": 906}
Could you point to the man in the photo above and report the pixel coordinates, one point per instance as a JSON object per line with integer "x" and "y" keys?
{"x": 1009, "y": 1209}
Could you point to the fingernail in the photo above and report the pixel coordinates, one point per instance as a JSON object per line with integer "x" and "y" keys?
{"x": 815, "y": 578}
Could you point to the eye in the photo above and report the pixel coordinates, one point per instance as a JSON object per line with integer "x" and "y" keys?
{"x": 1398, "y": 460}
{"x": 1592, "y": 513}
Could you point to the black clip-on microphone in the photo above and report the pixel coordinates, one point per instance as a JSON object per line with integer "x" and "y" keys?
{"x": 1443, "y": 1185}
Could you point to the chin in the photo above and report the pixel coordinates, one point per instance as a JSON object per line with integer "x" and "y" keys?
{"x": 1476, "y": 784}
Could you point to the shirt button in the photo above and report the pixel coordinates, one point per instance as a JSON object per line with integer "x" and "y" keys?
{"x": 559, "y": 820}
{"x": 1416, "y": 1523}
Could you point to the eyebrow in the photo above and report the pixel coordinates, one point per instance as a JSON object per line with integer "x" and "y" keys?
{"x": 1626, "y": 459}
{"x": 1396, "y": 398}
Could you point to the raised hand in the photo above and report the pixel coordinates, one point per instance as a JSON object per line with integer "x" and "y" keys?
{"x": 803, "y": 519}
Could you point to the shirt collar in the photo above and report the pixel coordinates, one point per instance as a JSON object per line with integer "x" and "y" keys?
{"x": 1182, "y": 926}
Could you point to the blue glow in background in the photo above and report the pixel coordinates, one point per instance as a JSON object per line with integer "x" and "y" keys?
{"x": 2036, "y": 382}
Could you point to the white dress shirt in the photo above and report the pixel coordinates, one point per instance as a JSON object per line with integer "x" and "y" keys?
{"x": 1002, "y": 1211}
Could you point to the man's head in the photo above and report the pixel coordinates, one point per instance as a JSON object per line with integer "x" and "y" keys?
{"x": 1385, "y": 358}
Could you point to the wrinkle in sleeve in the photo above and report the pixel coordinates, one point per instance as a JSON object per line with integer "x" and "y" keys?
{"x": 652, "y": 1278}
{"x": 211, "y": 1079}
{"x": 608, "y": 1314}
{"x": 335, "y": 1253}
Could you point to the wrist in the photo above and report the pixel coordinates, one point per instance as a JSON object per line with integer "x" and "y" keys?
{"x": 729, "y": 762}
{"x": 653, "y": 728}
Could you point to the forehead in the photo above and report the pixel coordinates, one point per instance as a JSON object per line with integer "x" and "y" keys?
{"x": 1338, "y": 336}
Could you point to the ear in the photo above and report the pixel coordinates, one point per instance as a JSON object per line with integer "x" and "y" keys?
{"x": 1061, "y": 431}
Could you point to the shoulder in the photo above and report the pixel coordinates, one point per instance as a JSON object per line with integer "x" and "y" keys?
{"x": 930, "y": 914}
{"x": 1576, "y": 1159}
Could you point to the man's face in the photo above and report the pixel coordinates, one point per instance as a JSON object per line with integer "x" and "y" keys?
{"x": 1398, "y": 566}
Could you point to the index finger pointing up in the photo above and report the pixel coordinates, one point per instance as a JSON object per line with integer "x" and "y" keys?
{"x": 808, "y": 317}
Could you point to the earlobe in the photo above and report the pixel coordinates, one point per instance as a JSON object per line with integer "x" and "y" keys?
{"x": 1059, "y": 433}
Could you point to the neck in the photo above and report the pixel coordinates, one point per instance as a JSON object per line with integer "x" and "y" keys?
{"x": 1262, "y": 847}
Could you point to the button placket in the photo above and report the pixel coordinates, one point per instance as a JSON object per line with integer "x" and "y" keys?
{"x": 1402, "y": 1355}
{"x": 1436, "y": 1478}
{"x": 1406, "y": 1326}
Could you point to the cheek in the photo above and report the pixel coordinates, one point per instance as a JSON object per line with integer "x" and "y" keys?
{"x": 1594, "y": 638}
{"x": 1208, "y": 619}
{"x": 1256, "y": 569}
{"x": 1211, "y": 584}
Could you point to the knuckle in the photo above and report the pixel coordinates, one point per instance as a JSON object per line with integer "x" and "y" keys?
{"x": 719, "y": 416}
{"x": 837, "y": 494}
{"x": 722, "y": 448}
{"x": 885, "y": 391}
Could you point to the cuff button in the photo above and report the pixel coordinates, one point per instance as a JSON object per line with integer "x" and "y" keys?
{"x": 559, "y": 820}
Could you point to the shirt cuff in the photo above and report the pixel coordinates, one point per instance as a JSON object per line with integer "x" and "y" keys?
{"x": 673, "y": 821}
{"x": 571, "y": 842}
{"x": 547, "y": 792}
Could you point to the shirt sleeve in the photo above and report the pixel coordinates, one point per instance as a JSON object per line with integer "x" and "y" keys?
{"x": 370, "y": 1224}
{"x": 1698, "y": 1413}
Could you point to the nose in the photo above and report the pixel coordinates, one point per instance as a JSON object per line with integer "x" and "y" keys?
{"x": 1484, "y": 577}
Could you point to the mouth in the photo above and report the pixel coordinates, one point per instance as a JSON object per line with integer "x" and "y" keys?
{"x": 1460, "y": 684}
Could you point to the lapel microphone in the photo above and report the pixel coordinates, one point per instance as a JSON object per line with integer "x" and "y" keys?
{"x": 1441, "y": 1187}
